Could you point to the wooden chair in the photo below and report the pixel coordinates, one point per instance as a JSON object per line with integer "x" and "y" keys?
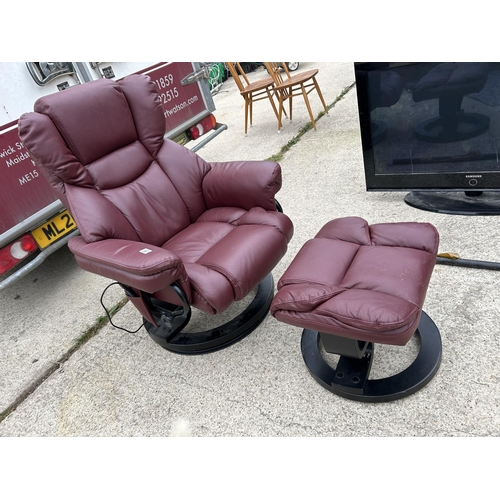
{"x": 291, "y": 86}
{"x": 252, "y": 92}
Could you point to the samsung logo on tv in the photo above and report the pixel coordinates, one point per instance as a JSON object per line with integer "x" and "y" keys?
{"x": 473, "y": 176}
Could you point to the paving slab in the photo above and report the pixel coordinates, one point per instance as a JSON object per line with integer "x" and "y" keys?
{"x": 123, "y": 384}
{"x": 41, "y": 318}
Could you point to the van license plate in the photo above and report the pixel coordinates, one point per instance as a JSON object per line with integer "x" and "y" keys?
{"x": 181, "y": 139}
{"x": 54, "y": 229}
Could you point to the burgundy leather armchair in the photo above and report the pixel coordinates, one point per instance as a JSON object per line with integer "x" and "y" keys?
{"x": 174, "y": 230}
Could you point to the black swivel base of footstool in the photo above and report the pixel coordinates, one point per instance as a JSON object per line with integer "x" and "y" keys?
{"x": 350, "y": 379}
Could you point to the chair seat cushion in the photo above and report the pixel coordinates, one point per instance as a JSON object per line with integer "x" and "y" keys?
{"x": 359, "y": 281}
{"x": 228, "y": 251}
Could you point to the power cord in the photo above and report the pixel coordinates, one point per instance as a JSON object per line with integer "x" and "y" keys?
{"x": 109, "y": 315}
{"x": 476, "y": 264}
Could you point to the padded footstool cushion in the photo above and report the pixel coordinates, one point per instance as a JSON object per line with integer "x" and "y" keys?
{"x": 360, "y": 281}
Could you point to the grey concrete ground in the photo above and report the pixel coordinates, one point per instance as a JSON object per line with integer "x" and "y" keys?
{"x": 122, "y": 384}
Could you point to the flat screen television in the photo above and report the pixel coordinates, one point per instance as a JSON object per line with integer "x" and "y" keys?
{"x": 432, "y": 129}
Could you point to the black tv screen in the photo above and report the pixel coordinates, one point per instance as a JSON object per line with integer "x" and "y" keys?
{"x": 432, "y": 129}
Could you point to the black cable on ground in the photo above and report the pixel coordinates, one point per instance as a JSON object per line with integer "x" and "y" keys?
{"x": 476, "y": 264}
{"x": 109, "y": 315}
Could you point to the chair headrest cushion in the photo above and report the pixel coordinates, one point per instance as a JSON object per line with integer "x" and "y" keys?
{"x": 99, "y": 117}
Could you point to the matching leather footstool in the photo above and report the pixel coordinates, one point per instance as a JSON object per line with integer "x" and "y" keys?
{"x": 354, "y": 285}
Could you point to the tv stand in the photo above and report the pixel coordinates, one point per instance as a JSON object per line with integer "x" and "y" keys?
{"x": 456, "y": 202}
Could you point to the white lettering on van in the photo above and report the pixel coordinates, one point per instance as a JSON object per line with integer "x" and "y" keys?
{"x": 17, "y": 159}
{"x": 28, "y": 177}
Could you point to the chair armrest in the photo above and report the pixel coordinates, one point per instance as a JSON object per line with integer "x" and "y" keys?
{"x": 129, "y": 262}
{"x": 243, "y": 184}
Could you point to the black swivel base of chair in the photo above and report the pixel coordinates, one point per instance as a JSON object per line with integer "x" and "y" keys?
{"x": 350, "y": 377}
{"x": 175, "y": 340}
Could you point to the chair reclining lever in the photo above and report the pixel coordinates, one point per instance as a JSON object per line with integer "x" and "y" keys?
{"x": 173, "y": 320}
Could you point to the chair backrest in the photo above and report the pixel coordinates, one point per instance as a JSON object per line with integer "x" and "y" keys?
{"x": 237, "y": 73}
{"x": 276, "y": 71}
{"x": 101, "y": 146}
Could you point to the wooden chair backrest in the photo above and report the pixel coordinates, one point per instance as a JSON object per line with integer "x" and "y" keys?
{"x": 237, "y": 73}
{"x": 275, "y": 71}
